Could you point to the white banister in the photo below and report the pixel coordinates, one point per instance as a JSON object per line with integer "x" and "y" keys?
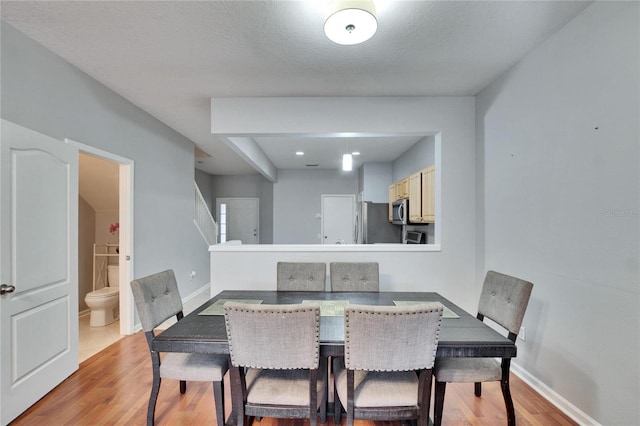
{"x": 203, "y": 220}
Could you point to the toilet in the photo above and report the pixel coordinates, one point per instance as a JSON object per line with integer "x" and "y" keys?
{"x": 105, "y": 302}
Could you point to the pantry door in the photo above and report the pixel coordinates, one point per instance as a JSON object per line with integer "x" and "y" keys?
{"x": 38, "y": 266}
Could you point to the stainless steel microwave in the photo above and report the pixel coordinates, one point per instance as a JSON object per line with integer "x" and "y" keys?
{"x": 400, "y": 212}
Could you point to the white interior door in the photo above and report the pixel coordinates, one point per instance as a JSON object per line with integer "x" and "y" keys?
{"x": 338, "y": 219}
{"x": 242, "y": 220}
{"x": 38, "y": 266}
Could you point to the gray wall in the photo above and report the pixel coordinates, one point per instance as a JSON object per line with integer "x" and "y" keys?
{"x": 86, "y": 238}
{"x": 558, "y": 154}
{"x": 205, "y": 184}
{"x": 420, "y": 155}
{"x": 374, "y": 180}
{"x": 42, "y": 92}
{"x": 247, "y": 186}
{"x": 296, "y": 201}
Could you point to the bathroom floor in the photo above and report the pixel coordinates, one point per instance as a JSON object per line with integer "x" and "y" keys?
{"x": 95, "y": 339}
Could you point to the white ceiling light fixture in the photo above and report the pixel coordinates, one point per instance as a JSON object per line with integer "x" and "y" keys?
{"x": 347, "y": 162}
{"x": 350, "y": 21}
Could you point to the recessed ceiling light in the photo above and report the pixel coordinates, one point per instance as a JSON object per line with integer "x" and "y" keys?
{"x": 355, "y": 153}
{"x": 299, "y": 153}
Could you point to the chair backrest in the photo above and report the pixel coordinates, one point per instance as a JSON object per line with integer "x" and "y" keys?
{"x": 273, "y": 336}
{"x": 504, "y": 299}
{"x": 391, "y": 338}
{"x": 354, "y": 276}
{"x": 157, "y": 298}
{"x": 301, "y": 276}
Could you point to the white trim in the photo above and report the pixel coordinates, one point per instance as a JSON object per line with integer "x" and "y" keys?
{"x": 197, "y": 293}
{"x": 554, "y": 397}
{"x": 325, "y": 247}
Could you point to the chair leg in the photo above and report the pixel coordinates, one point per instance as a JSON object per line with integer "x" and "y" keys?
{"x": 477, "y": 387}
{"x": 183, "y": 386}
{"x": 218, "y": 397}
{"x": 324, "y": 370}
{"x": 313, "y": 397}
{"x": 424, "y": 397}
{"x": 506, "y": 392}
{"x": 237, "y": 394}
{"x": 350, "y": 397}
{"x": 438, "y": 405}
{"x": 155, "y": 389}
{"x": 337, "y": 406}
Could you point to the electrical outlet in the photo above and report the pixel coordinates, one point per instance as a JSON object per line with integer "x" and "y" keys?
{"x": 192, "y": 275}
{"x": 522, "y": 335}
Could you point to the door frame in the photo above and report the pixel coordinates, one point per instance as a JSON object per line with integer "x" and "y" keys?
{"x": 225, "y": 200}
{"x": 353, "y": 201}
{"x": 125, "y": 258}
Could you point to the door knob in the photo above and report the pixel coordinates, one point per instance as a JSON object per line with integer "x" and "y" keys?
{"x": 4, "y": 288}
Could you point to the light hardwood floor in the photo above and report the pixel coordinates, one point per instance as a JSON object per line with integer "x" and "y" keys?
{"x": 112, "y": 388}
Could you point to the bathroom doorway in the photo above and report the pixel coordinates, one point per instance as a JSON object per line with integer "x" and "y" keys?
{"x": 105, "y": 220}
{"x": 98, "y": 253}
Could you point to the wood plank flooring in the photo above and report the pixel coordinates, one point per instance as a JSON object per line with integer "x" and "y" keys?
{"x": 112, "y": 388}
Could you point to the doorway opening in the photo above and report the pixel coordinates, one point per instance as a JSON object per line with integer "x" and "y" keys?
{"x": 338, "y": 219}
{"x": 238, "y": 220}
{"x": 109, "y": 185}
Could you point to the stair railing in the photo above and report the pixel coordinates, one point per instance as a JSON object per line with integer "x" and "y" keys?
{"x": 203, "y": 220}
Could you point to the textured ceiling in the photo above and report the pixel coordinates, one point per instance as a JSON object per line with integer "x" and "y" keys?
{"x": 170, "y": 57}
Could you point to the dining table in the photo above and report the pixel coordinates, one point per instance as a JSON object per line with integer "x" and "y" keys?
{"x": 461, "y": 334}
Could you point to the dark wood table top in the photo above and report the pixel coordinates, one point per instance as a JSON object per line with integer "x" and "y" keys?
{"x": 465, "y": 336}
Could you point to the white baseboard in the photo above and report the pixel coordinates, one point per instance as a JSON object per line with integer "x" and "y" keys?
{"x": 197, "y": 293}
{"x": 554, "y": 397}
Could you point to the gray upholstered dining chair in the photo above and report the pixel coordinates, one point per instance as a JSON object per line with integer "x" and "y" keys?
{"x": 385, "y": 346}
{"x": 504, "y": 300}
{"x": 301, "y": 276}
{"x": 157, "y": 299}
{"x": 276, "y": 369}
{"x": 354, "y": 276}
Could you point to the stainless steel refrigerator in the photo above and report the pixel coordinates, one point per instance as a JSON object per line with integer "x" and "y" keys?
{"x": 373, "y": 226}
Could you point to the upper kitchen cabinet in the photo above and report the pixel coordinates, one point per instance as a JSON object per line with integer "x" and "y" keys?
{"x": 428, "y": 195}
{"x": 392, "y": 198}
{"x": 402, "y": 188}
{"x": 415, "y": 197}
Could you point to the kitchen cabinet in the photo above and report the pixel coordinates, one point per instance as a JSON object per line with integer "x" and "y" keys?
{"x": 415, "y": 197}
{"x": 402, "y": 189}
{"x": 428, "y": 195}
{"x": 392, "y": 198}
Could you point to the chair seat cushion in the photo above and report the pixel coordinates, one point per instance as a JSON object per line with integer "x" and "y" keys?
{"x": 467, "y": 370}
{"x": 377, "y": 388}
{"x": 194, "y": 367}
{"x": 281, "y": 387}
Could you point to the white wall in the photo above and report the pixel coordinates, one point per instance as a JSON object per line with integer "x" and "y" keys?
{"x": 86, "y": 238}
{"x": 43, "y": 92}
{"x": 558, "y": 145}
{"x": 451, "y": 270}
{"x": 247, "y": 186}
{"x": 375, "y": 179}
{"x": 297, "y": 200}
{"x": 419, "y": 156}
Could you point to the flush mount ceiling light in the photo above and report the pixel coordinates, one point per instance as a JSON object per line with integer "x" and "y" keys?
{"x": 347, "y": 162}
{"x": 350, "y": 21}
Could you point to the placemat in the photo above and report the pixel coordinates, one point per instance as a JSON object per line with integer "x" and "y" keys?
{"x": 217, "y": 308}
{"x": 446, "y": 312}
{"x": 330, "y": 308}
